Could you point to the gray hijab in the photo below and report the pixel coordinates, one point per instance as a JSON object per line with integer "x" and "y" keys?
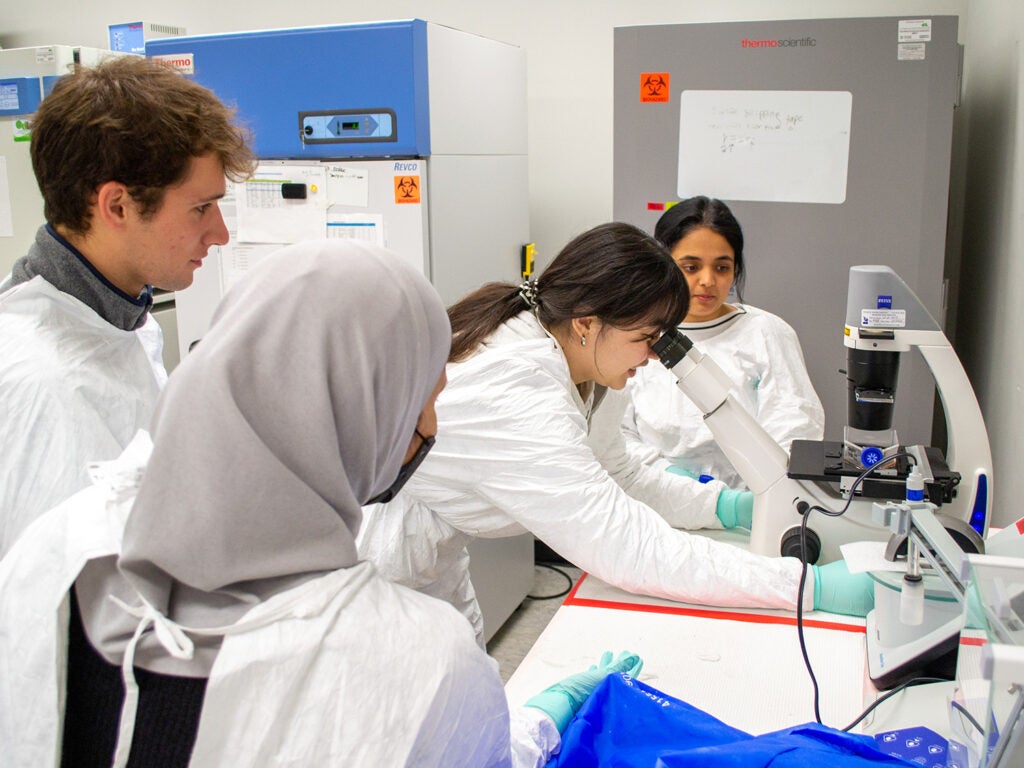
{"x": 296, "y": 408}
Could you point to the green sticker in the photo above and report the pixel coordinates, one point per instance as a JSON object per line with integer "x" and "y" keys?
{"x": 21, "y": 131}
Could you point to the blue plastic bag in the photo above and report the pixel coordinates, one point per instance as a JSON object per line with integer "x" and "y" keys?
{"x": 922, "y": 746}
{"x": 627, "y": 724}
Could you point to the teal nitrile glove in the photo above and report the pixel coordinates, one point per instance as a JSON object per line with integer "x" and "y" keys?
{"x": 563, "y": 699}
{"x": 735, "y": 508}
{"x": 836, "y": 590}
{"x": 673, "y": 469}
{"x": 702, "y": 477}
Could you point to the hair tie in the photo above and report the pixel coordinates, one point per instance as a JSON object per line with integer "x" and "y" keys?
{"x": 528, "y": 293}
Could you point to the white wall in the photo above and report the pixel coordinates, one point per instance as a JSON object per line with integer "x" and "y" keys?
{"x": 569, "y": 49}
{"x": 569, "y": 54}
{"x": 989, "y": 338}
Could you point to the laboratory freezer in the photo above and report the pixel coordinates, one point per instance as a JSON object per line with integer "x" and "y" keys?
{"x": 830, "y": 140}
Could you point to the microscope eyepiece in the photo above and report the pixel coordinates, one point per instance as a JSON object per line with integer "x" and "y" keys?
{"x": 672, "y": 347}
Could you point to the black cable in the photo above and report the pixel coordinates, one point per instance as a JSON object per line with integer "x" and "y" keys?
{"x": 898, "y": 689}
{"x": 800, "y": 613}
{"x": 805, "y": 515}
{"x": 963, "y": 711}
{"x": 559, "y": 571}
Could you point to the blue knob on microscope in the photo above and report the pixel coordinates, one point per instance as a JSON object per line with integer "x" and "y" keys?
{"x": 870, "y": 456}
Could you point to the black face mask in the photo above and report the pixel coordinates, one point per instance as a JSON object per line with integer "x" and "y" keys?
{"x": 405, "y": 472}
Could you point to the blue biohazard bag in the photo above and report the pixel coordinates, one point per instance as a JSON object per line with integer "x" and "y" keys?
{"x": 627, "y": 724}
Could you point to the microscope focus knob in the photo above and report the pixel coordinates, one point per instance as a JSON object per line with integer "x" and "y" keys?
{"x": 789, "y": 546}
{"x": 871, "y": 456}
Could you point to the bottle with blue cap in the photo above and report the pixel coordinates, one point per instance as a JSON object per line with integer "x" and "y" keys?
{"x": 912, "y": 594}
{"x": 915, "y": 485}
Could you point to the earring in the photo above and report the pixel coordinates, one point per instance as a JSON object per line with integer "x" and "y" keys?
{"x": 583, "y": 341}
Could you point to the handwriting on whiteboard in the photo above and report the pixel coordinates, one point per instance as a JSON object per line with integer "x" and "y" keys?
{"x": 740, "y": 126}
{"x": 783, "y": 146}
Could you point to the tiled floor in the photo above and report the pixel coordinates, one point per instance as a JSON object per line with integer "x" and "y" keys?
{"x": 511, "y": 643}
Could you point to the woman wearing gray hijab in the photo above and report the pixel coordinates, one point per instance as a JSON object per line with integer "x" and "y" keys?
{"x": 231, "y": 601}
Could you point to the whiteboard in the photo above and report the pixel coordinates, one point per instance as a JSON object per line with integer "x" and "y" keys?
{"x": 776, "y": 146}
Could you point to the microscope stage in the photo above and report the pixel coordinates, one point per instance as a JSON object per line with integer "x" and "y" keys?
{"x": 822, "y": 461}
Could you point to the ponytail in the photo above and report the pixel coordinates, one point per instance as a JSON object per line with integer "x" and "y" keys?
{"x": 479, "y": 314}
{"x": 615, "y": 272}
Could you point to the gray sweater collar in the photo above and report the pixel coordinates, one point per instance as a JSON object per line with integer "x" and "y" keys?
{"x": 61, "y": 264}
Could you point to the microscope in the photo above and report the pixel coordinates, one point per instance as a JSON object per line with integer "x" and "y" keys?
{"x": 932, "y": 510}
{"x": 884, "y": 319}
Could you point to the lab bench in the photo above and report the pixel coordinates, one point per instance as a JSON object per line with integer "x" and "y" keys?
{"x": 743, "y": 666}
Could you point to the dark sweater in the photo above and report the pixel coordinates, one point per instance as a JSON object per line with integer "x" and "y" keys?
{"x": 64, "y": 267}
{"x": 166, "y": 722}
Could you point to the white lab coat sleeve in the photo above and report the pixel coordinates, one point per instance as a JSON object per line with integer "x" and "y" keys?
{"x": 535, "y": 738}
{"x": 515, "y": 439}
{"x": 631, "y": 435}
{"x": 49, "y": 431}
{"x": 411, "y": 545}
{"x": 787, "y": 406}
{"x": 151, "y": 336}
{"x": 359, "y": 671}
{"x": 682, "y": 501}
{"x": 73, "y": 389}
{"x": 35, "y": 577}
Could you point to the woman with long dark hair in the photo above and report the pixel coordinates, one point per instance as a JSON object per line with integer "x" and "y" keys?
{"x": 523, "y": 444}
{"x": 758, "y": 350}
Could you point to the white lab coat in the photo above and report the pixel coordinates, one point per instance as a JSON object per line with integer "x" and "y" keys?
{"x": 346, "y": 669}
{"x": 513, "y": 454}
{"x": 73, "y": 389}
{"x": 761, "y": 353}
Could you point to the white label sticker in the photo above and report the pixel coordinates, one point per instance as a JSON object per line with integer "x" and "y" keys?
{"x": 910, "y": 51}
{"x": 9, "y": 96}
{"x": 45, "y": 55}
{"x": 914, "y": 31}
{"x": 883, "y": 318}
{"x": 183, "y": 62}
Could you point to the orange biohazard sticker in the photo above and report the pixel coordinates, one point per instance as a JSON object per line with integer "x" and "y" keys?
{"x": 654, "y": 86}
{"x": 407, "y": 189}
